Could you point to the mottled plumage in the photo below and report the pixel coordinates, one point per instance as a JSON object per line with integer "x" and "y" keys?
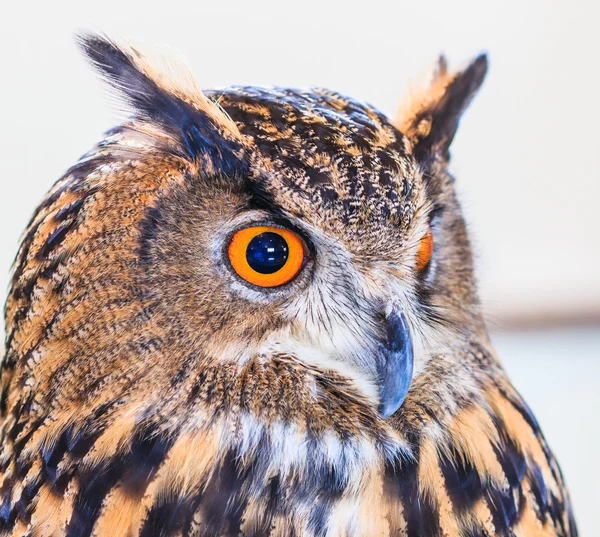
{"x": 148, "y": 391}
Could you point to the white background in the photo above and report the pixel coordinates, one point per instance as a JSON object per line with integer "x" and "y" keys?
{"x": 526, "y": 156}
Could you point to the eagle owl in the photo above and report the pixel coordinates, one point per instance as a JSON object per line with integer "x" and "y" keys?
{"x": 252, "y": 312}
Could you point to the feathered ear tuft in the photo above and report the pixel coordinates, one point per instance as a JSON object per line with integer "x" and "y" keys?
{"x": 430, "y": 117}
{"x": 165, "y": 92}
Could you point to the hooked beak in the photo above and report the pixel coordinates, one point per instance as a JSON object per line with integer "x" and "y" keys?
{"x": 395, "y": 365}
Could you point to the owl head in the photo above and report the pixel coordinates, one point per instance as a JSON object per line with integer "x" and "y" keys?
{"x": 300, "y": 230}
{"x": 252, "y": 311}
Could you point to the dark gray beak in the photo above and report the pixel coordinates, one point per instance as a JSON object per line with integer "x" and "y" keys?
{"x": 395, "y": 366}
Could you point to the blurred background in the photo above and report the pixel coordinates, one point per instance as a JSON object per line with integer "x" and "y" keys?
{"x": 525, "y": 158}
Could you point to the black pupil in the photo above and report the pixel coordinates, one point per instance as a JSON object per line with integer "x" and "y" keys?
{"x": 267, "y": 253}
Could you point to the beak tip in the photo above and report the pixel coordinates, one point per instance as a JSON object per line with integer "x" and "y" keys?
{"x": 386, "y": 409}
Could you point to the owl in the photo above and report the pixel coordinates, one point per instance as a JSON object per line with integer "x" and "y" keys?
{"x": 252, "y": 312}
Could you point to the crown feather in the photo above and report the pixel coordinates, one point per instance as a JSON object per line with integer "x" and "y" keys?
{"x": 164, "y": 91}
{"x": 430, "y": 116}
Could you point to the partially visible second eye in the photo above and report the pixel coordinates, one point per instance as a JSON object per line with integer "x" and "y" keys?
{"x": 266, "y": 256}
{"x": 425, "y": 250}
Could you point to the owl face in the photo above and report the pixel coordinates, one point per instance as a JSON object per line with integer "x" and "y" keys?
{"x": 217, "y": 227}
{"x": 343, "y": 224}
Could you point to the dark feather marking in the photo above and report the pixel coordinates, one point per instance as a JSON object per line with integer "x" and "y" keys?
{"x": 275, "y": 500}
{"x": 52, "y": 454}
{"x": 402, "y": 480}
{"x": 462, "y": 481}
{"x": 503, "y": 507}
{"x": 524, "y": 410}
{"x": 80, "y": 442}
{"x": 20, "y": 510}
{"x": 21, "y": 412}
{"x": 317, "y": 521}
{"x": 539, "y": 490}
{"x": 224, "y": 504}
{"x": 7, "y": 519}
{"x": 149, "y": 227}
{"x": 329, "y": 486}
{"x": 556, "y": 509}
{"x": 512, "y": 461}
{"x": 20, "y": 291}
{"x": 55, "y": 239}
{"x": 165, "y": 519}
{"x": 196, "y": 387}
{"x": 475, "y": 532}
{"x": 23, "y": 507}
{"x": 96, "y": 485}
{"x": 147, "y": 453}
{"x": 71, "y": 210}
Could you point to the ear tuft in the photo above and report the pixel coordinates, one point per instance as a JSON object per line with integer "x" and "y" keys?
{"x": 163, "y": 91}
{"x": 430, "y": 116}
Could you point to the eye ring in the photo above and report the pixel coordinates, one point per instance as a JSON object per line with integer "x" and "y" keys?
{"x": 283, "y": 267}
{"x": 425, "y": 250}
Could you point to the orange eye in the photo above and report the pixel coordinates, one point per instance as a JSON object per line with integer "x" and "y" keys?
{"x": 425, "y": 250}
{"x": 266, "y": 256}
